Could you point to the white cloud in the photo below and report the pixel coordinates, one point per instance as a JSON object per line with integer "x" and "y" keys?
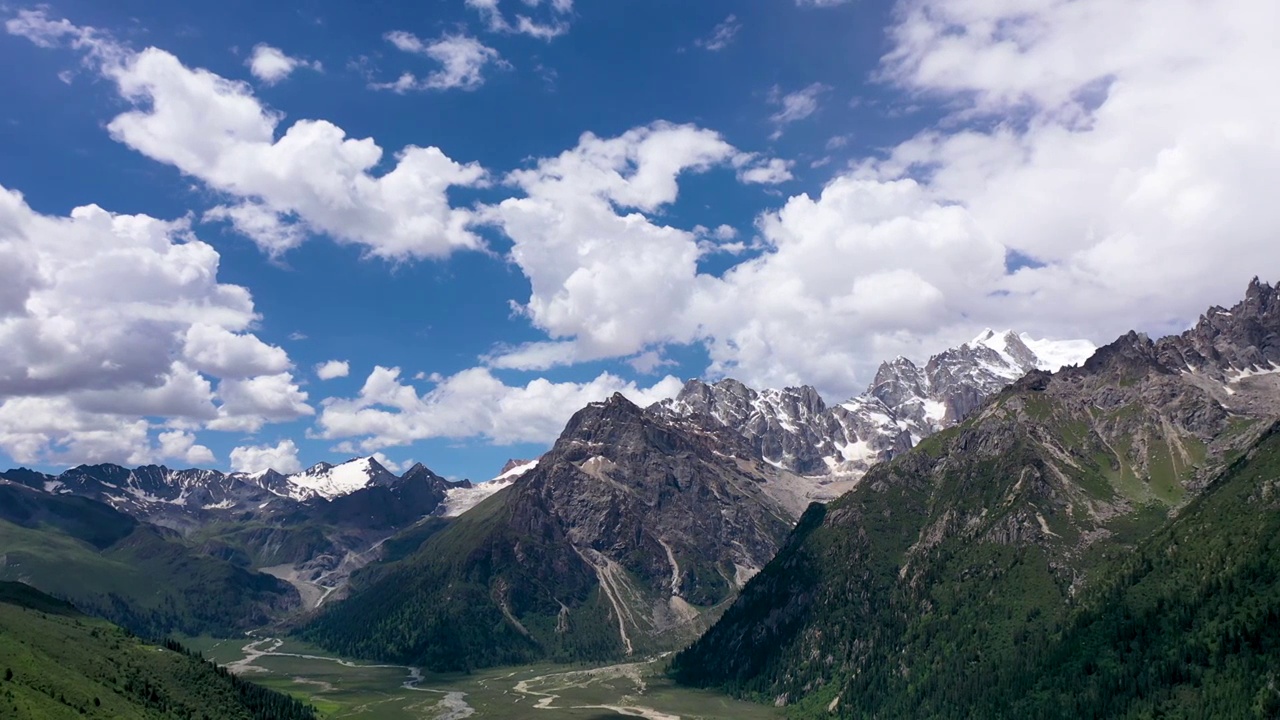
{"x": 217, "y": 351}
{"x": 271, "y": 65}
{"x": 555, "y": 24}
{"x": 333, "y": 369}
{"x": 113, "y": 326}
{"x": 768, "y": 172}
{"x": 822, "y": 3}
{"x": 648, "y": 362}
{"x": 249, "y": 404}
{"x": 1126, "y": 149}
{"x": 472, "y": 403}
{"x": 1137, "y": 172}
{"x": 722, "y": 35}
{"x": 392, "y": 465}
{"x": 463, "y": 60}
{"x": 312, "y": 177}
{"x": 182, "y": 445}
{"x": 530, "y": 356}
{"x": 794, "y": 106}
{"x": 283, "y": 458}
{"x": 269, "y": 230}
{"x": 615, "y": 282}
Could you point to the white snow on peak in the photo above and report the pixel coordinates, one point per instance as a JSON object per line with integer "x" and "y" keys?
{"x": 983, "y": 338}
{"x": 1051, "y": 355}
{"x": 331, "y": 481}
{"x": 516, "y": 471}
{"x": 998, "y": 341}
{"x": 460, "y": 500}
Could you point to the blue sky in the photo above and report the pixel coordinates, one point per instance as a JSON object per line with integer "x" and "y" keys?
{"x": 785, "y": 191}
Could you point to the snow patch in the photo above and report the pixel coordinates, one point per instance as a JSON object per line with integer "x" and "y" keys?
{"x": 460, "y": 500}
{"x": 1238, "y": 375}
{"x": 934, "y": 410}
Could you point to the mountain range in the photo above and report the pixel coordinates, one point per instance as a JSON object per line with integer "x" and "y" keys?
{"x": 1095, "y": 542}
{"x": 990, "y": 527}
{"x": 315, "y": 527}
{"x": 793, "y": 429}
{"x": 309, "y": 529}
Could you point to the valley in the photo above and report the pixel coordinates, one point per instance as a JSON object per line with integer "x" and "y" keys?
{"x": 999, "y": 522}
{"x": 342, "y": 688}
{"x": 787, "y": 360}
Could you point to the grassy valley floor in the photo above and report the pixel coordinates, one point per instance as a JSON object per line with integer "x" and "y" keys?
{"x": 347, "y": 689}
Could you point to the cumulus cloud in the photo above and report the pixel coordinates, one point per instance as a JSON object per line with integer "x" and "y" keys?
{"x": 248, "y": 404}
{"x": 1135, "y": 167}
{"x": 1124, "y": 152}
{"x": 721, "y": 36}
{"x": 182, "y": 445}
{"x": 114, "y": 325}
{"x": 473, "y": 403}
{"x": 463, "y": 60}
{"x": 282, "y": 457}
{"x": 589, "y": 258}
{"x": 1132, "y": 181}
{"x": 218, "y": 351}
{"x": 554, "y": 24}
{"x": 271, "y": 65}
{"x": 311, "y": 178}
{"x": 333, "y": 369}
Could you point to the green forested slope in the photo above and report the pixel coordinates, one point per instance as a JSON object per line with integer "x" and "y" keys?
{"x": 56, "y": 663}
{"x": 1187, "y": 627}
{"x": 895, "y": 601}
{"x": 439, "y": 606}
{"x": 127, "y": 571}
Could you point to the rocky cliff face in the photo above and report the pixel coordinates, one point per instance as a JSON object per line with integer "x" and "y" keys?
{"x": 630, "y": 535}
{"x": 795, "y": 430}
{"x": 969, "y": 550}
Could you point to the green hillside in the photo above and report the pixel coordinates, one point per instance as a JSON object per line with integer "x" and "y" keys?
{"x": 57, "y": 663}
{"x": 996, "y": 572}
{"x": 129, "y": 572}
{"x": 434, "y": 606}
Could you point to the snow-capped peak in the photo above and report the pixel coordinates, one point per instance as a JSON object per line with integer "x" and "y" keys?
{"x": 794, "y": 429}
{"x": 331, "y": 481}
{"x": 1022, "y": 351}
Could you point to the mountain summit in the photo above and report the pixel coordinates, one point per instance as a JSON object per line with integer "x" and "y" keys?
{"x": 793, "y": 428}
{"x": 630, "y": 535}
{"x": 1099, "y": 541}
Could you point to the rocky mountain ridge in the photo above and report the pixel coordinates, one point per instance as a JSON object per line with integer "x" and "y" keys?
{"x": 794, "y": 429}
{"x": 936, "y": 583}
{"x": 311, "y": 529}
{"x": 186, "y": 498}
{"x": 628, "y": 536}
